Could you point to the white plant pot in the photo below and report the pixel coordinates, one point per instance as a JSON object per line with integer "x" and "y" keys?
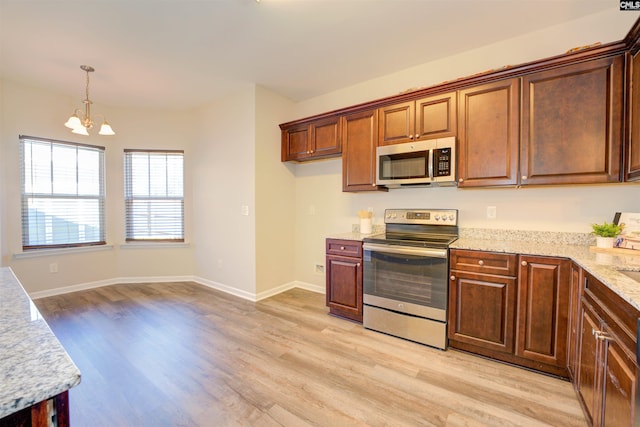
{"x": 605, "y": 242}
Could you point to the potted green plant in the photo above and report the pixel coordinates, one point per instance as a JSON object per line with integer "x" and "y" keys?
{"x": 606, "y": 233}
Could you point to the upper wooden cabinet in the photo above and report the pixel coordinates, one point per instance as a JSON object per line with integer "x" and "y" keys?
{"x": 572, "y": 123}
{"x": 359, "y": 136}
{"x": 489, "y": 117}
{"x": 632, "y": 145}
{"x": 425, "y": 118}
{"x": 313, "y": 140}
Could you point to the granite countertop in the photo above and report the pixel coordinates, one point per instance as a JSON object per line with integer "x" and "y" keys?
{"x": 605, "y": 266}
{"x": 33, "y": 364}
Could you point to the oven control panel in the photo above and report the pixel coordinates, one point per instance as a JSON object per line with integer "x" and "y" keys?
{"x": 421, "y": 216}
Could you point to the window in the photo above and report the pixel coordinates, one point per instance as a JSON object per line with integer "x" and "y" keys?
{"x": 154, "y": 195}
{"x": 62, "y": 194}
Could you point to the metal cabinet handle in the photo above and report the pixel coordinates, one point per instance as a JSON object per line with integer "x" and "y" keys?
{"x": 417, "y": 135}
{"x": 603, "y": 336}
{"x": 358, "y": 265}
{"x": 452, "y": 277}
{"x": 342, "y": 248}
{"x": 524, "y": 177}
{"x": 410, "y": 136}
{"x": 523, "y": 263}
{"x": 460, "y": 180}
{"x": 481, "y": 262}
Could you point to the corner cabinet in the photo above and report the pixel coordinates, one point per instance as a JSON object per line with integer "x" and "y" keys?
{"x": 510, "y": 307}
{"x": 426, "y": 118}
{"x": 489, "y": 132}
{"x": 311, "y": 140}
{"x": 607, "y": 379}
{"x": 344, "y": 278}
{"x": 572, "y": 123}
{"x": 360, "y": 138}
{"x": 632, "y": 145}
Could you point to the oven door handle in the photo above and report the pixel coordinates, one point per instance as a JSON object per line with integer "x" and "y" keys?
{"x": 406, "y": 250}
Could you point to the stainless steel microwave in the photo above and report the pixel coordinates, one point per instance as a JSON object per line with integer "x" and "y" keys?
{"x": 429, "y": 162}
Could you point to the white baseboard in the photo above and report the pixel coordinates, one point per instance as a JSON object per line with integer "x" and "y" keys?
{"x": 164, "y": 279}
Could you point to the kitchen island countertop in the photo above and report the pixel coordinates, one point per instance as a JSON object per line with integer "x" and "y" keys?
{"x": 34, "y": 366}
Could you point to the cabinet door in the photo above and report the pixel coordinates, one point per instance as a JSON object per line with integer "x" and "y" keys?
{"x": 632, "y": 168}
{"x": 436, "y": 116}
{"x": 572, "y": 124}
{"x": 589, "y": 384}
{"x": 543, "y": 309}
{"x": 481, "y": 310}
{"x": 396, "y": 123}
{"x": 620, "y": 381}
{"x": 489, "y": 125}
{"x": 344, "y": 286}
{"x": 359, "y": 139}
{"x": 325, "y": 137}
{"x": 575, "y": 296}
{"x": 295, "y": 143}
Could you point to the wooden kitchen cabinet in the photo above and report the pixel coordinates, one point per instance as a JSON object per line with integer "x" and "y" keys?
{"x": 344, "y": 278}
{"x": 426, "y": 118}
{"x": 510, "y": 308}
{"x": 313, "y": 140}
{"x": 482, "y": 301}
{"x": 489, "y": 134}
{"x": 575, "y": 301}
{"x": 607, "y": 376}
{"x": 543, "y": 311}
{"x": 632, "y": 145}
{"x": 572, "y": 123}
{"x": 359, "y": 138}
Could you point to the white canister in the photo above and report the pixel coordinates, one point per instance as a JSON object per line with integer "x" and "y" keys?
{"x": 365, "y": 225}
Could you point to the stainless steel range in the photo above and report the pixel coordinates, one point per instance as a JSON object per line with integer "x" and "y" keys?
{"x": 406, "y": 275}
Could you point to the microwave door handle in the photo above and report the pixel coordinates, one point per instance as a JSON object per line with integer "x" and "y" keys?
{"x": 431, "y": 164}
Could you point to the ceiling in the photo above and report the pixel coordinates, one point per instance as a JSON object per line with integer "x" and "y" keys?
{"x": 185, "y": 53}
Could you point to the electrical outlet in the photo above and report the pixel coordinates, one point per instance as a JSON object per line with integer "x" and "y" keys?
{"x": 491, "y": 212}
{"x": 319, "y": 269}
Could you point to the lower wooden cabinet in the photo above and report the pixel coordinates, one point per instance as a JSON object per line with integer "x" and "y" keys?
{"x": 519, "y": 315}
{"x": 344, "y": 278}
{"x": 575, "y": 301}
{"x": 607, "y": 377}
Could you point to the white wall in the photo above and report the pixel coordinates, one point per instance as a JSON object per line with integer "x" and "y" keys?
{"x": 275, "y": 196}
{"x": 569, "y": 208}
{"x": 36, "y": 112}
{"x": 224, "y": 181}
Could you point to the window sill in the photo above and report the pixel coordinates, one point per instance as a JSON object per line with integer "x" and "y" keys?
{"x": 153, "y": 245}
{"x": 61, "y": 251}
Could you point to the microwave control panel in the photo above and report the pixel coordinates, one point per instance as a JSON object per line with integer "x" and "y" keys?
{"x": 442, "y": 162}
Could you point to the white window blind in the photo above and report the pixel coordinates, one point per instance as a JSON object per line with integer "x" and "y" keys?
{"x": 63, "y": 194}
{"x": 154, "y": 195}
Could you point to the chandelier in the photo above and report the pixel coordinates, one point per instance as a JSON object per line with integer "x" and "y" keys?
{"x": 80, "y": 122}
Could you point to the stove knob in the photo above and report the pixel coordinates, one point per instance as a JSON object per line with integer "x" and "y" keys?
{"x": 452, "y": 217}
{"x": 437, "y": 217}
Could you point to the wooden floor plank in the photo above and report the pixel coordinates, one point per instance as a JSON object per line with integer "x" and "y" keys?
{"x": 181, "y": 354}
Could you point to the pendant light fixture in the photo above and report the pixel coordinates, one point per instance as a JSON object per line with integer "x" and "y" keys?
{"x": 80, "y": 122}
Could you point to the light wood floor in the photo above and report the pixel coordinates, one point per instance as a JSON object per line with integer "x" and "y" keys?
{"x": 180, "y": 354}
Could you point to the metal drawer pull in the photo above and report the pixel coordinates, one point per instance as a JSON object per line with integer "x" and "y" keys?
{"x": 342, "y": 248}
{"x": 452, "y": 277}
{"x": 481, "y": 262}
{"x": 523, "y": 263}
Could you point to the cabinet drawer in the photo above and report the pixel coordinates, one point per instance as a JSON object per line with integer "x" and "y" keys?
{"x": 352, "y": 248}
{"x": 484, "y": 262}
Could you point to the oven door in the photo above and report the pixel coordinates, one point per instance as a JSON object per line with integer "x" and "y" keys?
{"x": 406, "y": 279}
